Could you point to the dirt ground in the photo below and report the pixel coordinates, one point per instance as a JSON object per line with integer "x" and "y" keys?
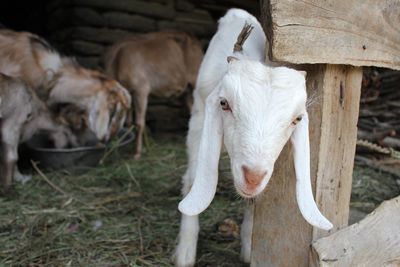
{"x": 124, "y": 213}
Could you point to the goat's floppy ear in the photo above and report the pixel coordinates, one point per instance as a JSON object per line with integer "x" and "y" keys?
{"x": 99, "y": 116}
{"x": 206, "y": 172}
{"x": 301, "y": 153}
{"x": 116, "y": 121}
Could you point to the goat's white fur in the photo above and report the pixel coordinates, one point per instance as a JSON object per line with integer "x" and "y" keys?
{"x": 246, "y": 233}
{"x": 264, "y": 101}
{"x": 51, "y": 62}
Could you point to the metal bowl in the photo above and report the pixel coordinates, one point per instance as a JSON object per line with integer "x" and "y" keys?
{"x": 77, "y": 158}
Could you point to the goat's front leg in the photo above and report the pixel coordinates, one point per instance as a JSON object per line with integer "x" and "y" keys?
{"x": 140, "y": 100}
{"x": 9, "y": 150}
{"x": 246, "y": 233}
{"x": 7, "y": 167}
{"x": 185, "y": 252}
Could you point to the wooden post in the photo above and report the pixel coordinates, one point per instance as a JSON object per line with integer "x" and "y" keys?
{"x": 345, "y": 32}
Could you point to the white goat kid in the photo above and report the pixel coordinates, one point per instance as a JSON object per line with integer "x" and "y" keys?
{"x": 253, "y": 109}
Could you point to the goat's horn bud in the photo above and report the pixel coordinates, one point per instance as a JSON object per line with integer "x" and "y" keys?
{"x": 243, "y": 35}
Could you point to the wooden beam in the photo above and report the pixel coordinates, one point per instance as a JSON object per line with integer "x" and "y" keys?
{"x": 351, "y": 32}
{"x": 335, "y": 152}
{"x": 281, "y": 237}
{"x": 374, "y": 241}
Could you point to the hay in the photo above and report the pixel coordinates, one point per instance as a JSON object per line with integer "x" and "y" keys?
{"x": 121, "y": 213}
{"x": 124, "y": 213}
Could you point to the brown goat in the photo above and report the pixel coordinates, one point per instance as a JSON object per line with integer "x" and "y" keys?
{"x": 59, "y": 80}
{"x": 22, "y": 115}
{"x": 160, "y": 63}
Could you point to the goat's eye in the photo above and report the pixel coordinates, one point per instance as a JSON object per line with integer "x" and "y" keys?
{"x": 297, "y": 120}
{"x": 224, "y": 104}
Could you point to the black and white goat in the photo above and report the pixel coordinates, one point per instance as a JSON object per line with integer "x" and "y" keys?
{"x": 253, "y": 109}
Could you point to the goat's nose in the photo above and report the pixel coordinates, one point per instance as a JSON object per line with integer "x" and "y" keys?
{"x": 253, "y": 177}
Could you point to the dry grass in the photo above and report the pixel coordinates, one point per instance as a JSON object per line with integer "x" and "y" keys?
{"x": 123, "y": 213}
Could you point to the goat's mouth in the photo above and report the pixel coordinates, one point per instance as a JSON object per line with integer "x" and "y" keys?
{"x": 250, "y": 192}
{"x": 245, "y": 194}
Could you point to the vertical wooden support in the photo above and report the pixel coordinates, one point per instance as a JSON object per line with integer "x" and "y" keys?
{"x": 338, "y": 135}
{"x": 281, "y": 237}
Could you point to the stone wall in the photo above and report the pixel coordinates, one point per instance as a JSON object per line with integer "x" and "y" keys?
{"x": 84, "y": 29}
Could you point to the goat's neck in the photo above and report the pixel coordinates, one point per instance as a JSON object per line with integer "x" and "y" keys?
{"x": 71, "y": 92}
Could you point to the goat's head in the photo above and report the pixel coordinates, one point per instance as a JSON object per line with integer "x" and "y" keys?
{"x": 254, "y": 111}
{"x": 39, "y": 118}
{"x": 106, "y": 102}
{"x": 109, "y": 110}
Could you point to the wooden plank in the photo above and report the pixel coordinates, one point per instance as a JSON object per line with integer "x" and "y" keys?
{"x": 84, "y": 16}
{"x": 91, "y": 62}
{"x": 91, "y": 34}
{"x": 197, "y": 29}
{"x": 86, "y": 48}
{"x": 281, "y": 237}
{"x": 337, "y": 144}
{"x": 374, "y": 241}
{"x": 351, "y": 32}
{"x": 76, "y": 16}
{"x": 148, "y": 8}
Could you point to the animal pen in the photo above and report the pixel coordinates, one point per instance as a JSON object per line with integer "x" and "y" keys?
{"x": 337, "y": 38}
{"x": 330, "y": 39}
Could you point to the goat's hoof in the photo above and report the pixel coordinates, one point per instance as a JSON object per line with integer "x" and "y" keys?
{"x": 137, "y": 156}
{"x": 245, "y": 254}
{"x": 184, "y": 256}
{"x": 22, "y": 178}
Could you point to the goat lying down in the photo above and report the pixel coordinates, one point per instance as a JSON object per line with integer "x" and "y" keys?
{"x": 159, "y": 63}
{"x": 253, "y": 109}
{"x": 22, "y": 115}
{"x": 59, "y": 79}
